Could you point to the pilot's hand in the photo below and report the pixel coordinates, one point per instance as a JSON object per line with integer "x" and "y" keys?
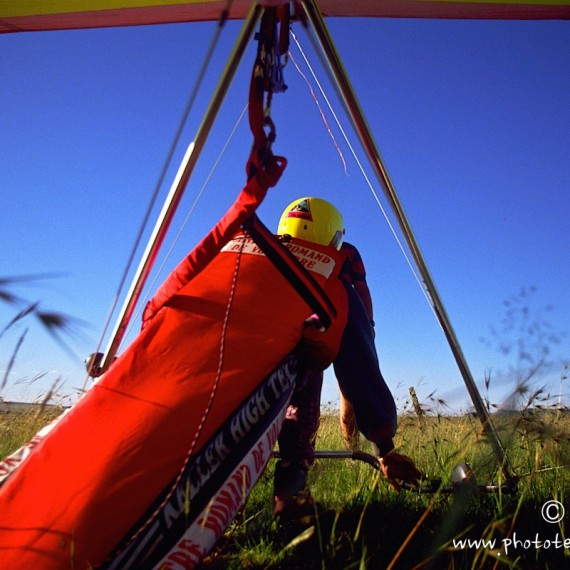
{"x": 399, "y": 469}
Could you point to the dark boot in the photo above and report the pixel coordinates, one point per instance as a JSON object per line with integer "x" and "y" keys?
{"x": 292, "y": 498}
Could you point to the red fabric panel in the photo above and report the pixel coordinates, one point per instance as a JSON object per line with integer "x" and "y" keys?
{"x": 445, "y": 9}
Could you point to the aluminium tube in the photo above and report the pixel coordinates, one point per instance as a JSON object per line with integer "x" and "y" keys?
{"x": 359, "y": 122}
{"x": 179, "y": 185}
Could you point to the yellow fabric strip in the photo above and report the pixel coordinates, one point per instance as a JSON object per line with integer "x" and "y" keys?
{"x": 18, "y": 8}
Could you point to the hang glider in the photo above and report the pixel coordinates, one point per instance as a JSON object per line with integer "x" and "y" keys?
{"x": 38, "y": 15}
{"x": 164, "y": 425}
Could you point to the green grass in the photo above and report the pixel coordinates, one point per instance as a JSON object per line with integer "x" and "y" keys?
{"x": 19, "y": 426}
{"x": 363, "y": 523}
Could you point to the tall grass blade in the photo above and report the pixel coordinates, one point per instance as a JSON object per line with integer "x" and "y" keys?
{"x": 12, "y": 360}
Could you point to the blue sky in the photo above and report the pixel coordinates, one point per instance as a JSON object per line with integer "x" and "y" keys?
{"x": 471, "y": 118}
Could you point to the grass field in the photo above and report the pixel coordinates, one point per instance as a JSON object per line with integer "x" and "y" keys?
{"x": 362, "y": 523}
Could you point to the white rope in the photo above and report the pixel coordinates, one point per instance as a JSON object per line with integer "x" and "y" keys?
{"x": 365, "y": 176}
{"x": 207, "y": 409}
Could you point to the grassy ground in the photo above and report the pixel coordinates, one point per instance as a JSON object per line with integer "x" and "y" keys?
{"x": 363, "y": 523}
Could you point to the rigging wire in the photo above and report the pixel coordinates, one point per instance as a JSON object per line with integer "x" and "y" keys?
{"x": 323, "y": 116}
{"x": 168, "y": 161}
{"x": 361, "y": 168}
{"x": 187, "y": 218}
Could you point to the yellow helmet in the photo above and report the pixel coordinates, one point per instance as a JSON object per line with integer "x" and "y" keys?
{"x": 314, "y": 220}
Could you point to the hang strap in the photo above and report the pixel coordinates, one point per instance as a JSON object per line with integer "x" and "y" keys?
{"x": 300, "y": 279}
{"x": 266, "y": 79}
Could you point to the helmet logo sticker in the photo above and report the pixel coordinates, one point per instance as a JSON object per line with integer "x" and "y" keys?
{"x": 301, "y": 210}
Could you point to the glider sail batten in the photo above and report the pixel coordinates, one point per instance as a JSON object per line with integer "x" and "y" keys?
{"x": 37, "y": 15}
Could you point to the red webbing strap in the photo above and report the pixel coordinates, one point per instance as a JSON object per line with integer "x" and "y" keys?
{"x": 301, "y": 280}
{"x": 284, "y": 14}
{"x": 257, "y": 92}
{"x": 266, "y": 77}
